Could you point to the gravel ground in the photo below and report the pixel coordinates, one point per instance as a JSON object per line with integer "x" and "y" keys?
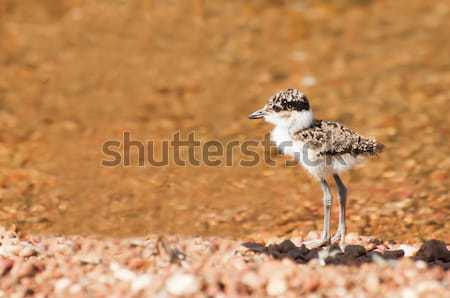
{"x": 155, "y": 266}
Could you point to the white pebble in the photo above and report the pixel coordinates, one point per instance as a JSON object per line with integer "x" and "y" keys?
{"x": 252, "y": 280}
{"x": 182, "y": 284}
{"x": 141, "y": 282}
{"x": 27, "y": 251}
{"x": 421, "y": 264}
{"x": 89, "y": 259}
{"x": 408, "y": 293}
{"x": 61, "y": 284}
{"x": 429, "y": 285}
{"x": 276, "y": 287}
{"x": 8, "y": 250}
{"x": 122, "y": 273}
{"x": 372, "y": 282}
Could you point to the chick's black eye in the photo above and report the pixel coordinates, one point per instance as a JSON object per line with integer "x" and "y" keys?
{"x": 276, "y": 108}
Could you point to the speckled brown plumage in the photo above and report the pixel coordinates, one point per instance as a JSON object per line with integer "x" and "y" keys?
{"x": 332, "y": 138}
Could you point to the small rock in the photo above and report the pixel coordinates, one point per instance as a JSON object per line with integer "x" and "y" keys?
{"x": 275, "y": 251}
{"x": 393, "y": 254}
{"x": 61, "y": 284}
{"x": 122, "y": 273}
{"x": 25, "y": 270}
{"x": 255, "y": 247}
{"x": 252, "y": 280}
{"x": 312, "y": 254}
{"x": 313, "y": 235}
{"x": 354, "y": 251}
{"x": 286, "y": 246}
{"x": 408, "y": 293}
{"x": 5, "y": 266}
{"x": 276, "y": 286}
{"x": 8, "y": 250}
{"x": 298, "y": 253}
{"x": 136, "y": 263}
{"x": 433, "y": 250}
{"x": 88, "y": 259}
{"x": 27, "y": 251}
{"x": 141, "y": 282}
{"x": 182, "y": 284}
{"x": 372, "y": 282}
{"x": 311, "y": 285}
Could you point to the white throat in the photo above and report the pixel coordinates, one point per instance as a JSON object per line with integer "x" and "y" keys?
{"x": 285, "y": 128}
{"x": 300, "y": 121}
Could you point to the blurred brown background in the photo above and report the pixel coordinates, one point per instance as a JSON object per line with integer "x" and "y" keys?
{"x": 74, "y": 74}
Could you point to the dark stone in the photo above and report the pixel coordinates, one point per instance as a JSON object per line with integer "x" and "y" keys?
{"x": 273, "y": 248}
{"x": 298, "y": 253}
{"x": 255, "y": 247}
{"x": 393, "y": 254}
{"x": 312, "y": 254}
{"x": 276, "y": 254}
{"x": 332, "y": 261}
{"x": 363, "y": 259}
{"x": 354, "y": 251}
{"x": 433, "y": 250}
{"x": 286, "y": 246}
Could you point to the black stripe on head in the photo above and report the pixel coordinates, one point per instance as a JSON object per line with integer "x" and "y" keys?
{"x": 289, "y": 100}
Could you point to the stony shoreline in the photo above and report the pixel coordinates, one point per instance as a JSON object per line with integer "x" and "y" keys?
{"x": 155, "y": 266}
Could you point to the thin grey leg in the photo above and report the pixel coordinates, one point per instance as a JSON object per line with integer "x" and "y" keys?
{"x": 342, "y": 193}
{"x": 327, "y": 201}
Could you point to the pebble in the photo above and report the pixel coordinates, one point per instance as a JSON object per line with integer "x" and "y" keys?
{"x": 141, "y": 282}
{"x": 122, "y": 273}
{"x": 276, "y": 286}
{"x": 372, "y": 282}
{"x": 8, "y": 250}
{"x": 136, "y": 263}
{"x": 354, "y": 251}
{"x": 61, "y": 284}
{"x": 408, "y": 293}
{"x": 252, "y": 280}
{"x": 433, "y": 250}
{"x": 5, "y": 266}
{"x": 88, "y": 259}
{"x": 182, "y": 284}
{"x": 311, "y": 285}
{"x": 312, "y": 235}
{"x": 27, "y": 251}
{"x": 24, "y": 270}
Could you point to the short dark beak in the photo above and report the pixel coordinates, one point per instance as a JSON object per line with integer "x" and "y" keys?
{"x": 257, "y": 115}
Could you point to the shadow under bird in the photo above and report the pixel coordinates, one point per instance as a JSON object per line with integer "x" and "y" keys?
{"x": 323, "y": 148}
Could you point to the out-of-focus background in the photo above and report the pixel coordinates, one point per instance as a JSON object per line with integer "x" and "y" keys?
{"x": 74, "y": 74}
